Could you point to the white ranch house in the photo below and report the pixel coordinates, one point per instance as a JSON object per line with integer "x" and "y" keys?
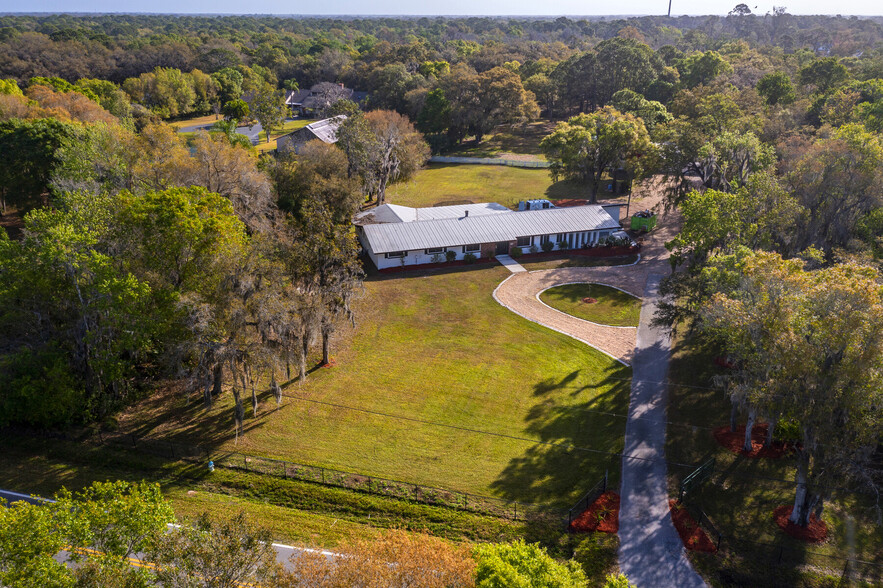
{"x": 395, "y": 235}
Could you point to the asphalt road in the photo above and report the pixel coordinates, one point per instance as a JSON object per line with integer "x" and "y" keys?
{"x": 253, "y": 132}
{"x": 651, "y": 552}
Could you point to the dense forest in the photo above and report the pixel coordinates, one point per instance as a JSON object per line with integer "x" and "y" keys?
{"x": 145, "y": 257}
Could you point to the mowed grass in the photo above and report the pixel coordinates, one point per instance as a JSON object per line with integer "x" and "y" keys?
{"x": 441, "y": 183}
{"x": 438, "y": 385}
{"x": 293, "y": 511}
{"x": 287, "y": 127}
{"x": 508, "y": 142}
{"x": 743, "y": 493}
{"x": 611, "y": 307}
{"x": 575, "y": 261}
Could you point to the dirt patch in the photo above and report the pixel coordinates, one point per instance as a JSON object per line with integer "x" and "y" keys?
{"x": 734, "y": 440}
{"x": 815, "y": 532}
{"x": 602, "y": 516}
{"x": 590, "y": 300}
{"x": 692, "y": 535}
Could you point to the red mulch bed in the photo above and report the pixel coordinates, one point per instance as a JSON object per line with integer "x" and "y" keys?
{"x": 692, "y": 535}
{"x": 815, "y": 532}
{"x": 591, "y": 520}
{"x": 589, "y": 300}
{"x": 733, "y": 440}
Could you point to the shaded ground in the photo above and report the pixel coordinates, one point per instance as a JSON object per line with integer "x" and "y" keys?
{"x": 508, "y": 142}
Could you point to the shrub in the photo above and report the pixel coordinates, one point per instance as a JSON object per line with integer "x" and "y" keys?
{"x": 548, "y": 246}
{"x": 469, "y": 258}
{"x": 520, "y": 564}
{"x": 515, "y": 252}
{"x": 450, "y": 255}
{"x": 597, "y": 555}
{"x": 562, "y": 245}
{"x": 534, "y": 249}
{"x": 37, "y": 388}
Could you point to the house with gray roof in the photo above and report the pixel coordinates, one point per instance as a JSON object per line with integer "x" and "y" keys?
{"x": 323, "y": 130}
{"x": 394, "y": 236}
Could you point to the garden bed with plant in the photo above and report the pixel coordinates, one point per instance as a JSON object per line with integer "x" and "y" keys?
{"x": 601, "y": 516}
{"x": 694, "y": 538}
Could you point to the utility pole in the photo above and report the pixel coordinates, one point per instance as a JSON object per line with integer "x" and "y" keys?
{"x": 669, "y": 8}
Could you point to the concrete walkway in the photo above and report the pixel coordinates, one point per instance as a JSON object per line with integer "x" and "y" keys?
{"x": 510, "y": 264}
{"x": 651, "y": 552}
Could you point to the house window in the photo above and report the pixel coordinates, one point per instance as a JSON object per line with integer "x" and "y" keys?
{"x": 522, "y": 242}
{"x": 396, "y": 254}
{"x": 434, "y": 250}
{"x": 545, "y": 239}
{"x": 561, "y": 237}
{"x": 471, "y": 248}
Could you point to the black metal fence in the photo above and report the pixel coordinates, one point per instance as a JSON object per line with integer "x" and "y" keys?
{"x": 588, "y": 498}
{"x": 849, "y": 569}
{"x": 331, "y": 477}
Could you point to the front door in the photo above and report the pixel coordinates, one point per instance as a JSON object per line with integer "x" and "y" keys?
{"x": 503, "y": 248}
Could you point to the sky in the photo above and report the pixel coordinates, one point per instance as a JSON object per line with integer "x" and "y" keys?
{"x": 438, "y": 7}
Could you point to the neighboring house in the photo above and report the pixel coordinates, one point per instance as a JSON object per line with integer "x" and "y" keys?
{"x": 320, "y": 96}
{"x": 323, "y": 130}
{"x": 394, "y": 235}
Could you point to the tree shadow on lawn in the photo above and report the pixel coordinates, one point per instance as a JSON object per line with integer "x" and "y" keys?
{"x": 578, "y": 444}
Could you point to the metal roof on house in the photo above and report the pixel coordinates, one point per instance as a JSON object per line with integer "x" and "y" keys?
{"x": 393, "y": 213}
{"x": 487, "y": 228}
{"x": 326, "y": 130}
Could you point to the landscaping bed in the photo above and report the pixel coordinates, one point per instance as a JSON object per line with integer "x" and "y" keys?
{"x": 601, "y": 516}
{"x": 694, "y": 538}
{"x": 815, "y": 532}
{"x": 734, "y": 441}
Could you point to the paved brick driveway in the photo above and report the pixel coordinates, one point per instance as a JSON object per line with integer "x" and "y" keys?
{"x": 519, "y": 292}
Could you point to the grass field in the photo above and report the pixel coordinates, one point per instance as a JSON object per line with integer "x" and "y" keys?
{"x": 208, "y": 119}
{"x": 438, "y": 385}
{"x": 520, "y": 142}
{"x": 742, "y": 495}
{"x": 612, "y": 307}
{"x": 443, "y": 183}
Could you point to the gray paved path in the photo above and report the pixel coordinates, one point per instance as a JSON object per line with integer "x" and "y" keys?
{"x": 510, "y": 264}
{"x": 651, "y": 553}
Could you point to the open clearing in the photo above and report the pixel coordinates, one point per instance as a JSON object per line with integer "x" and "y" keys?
{"x": 439, "y": 385}
{"x": 609, "y": 307}
{"x": 508, "y": 142}
{"x": 441, "y": 183}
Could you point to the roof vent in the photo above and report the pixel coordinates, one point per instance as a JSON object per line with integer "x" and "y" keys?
{"x": 467, "y": 213}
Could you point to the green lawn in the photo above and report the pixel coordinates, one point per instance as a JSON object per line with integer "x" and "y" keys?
{"x": 743, "y": 493}
{"x": 432, "y": 388}
{"x": 575, "y": 261}
{"x": 612, "y": 307}
{"x": 520, "y": 142}
{"x": 444, "y": 183}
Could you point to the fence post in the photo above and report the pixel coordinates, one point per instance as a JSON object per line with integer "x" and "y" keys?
{"x": 284, "y": 469}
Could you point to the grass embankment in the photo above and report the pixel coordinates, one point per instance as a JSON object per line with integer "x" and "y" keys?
{"x": 439, "y": 386}
{"x": 605, "y": 305}
{"x": 294, "y": 511}
{"x": 743, "y": 493}
{"x": 448, "y": 183}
